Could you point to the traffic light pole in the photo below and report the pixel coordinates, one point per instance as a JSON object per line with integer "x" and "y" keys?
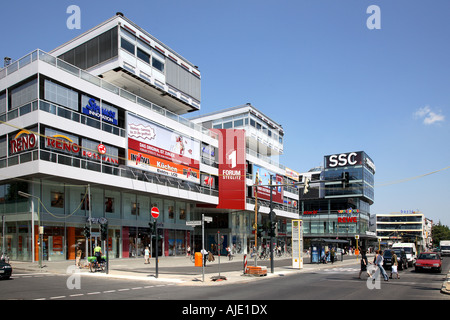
{"x": 271, "y": 213}
{"x": 156, "y": 247}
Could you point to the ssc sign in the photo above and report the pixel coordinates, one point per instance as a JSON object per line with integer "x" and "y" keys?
{"x": 155, "y": 212}
{"x": 343, "y": 159}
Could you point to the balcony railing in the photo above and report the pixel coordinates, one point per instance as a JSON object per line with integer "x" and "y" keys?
{"x": 43, "y": 56}
{"x": 120, "y": 171}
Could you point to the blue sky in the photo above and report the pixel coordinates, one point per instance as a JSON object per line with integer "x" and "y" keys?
{"x": 312, "y": 66}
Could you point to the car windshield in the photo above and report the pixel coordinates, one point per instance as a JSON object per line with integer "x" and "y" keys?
{"x": 428, "y": 256}
{"x": 387, "y": 253}
{"x": 398, "y": 252}
{"x": 407, "y": 250}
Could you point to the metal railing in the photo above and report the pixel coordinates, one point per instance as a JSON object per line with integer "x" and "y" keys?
{"x": 62, "y": 65}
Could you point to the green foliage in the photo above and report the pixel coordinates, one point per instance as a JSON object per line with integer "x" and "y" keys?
{"x": 440, "y": 232}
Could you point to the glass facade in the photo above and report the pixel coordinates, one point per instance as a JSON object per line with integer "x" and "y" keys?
{"x": 334, "y": 209}
{"x": 64, "y": 212}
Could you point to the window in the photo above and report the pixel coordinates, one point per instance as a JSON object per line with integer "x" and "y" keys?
{"x": 157, "y": 64}
{"x": 61, "y": 95}
{"x": 23, "y": 94}
{"x": 127, "y": 45}
{"x": 238, "y": 123}
{"x": 144, "y": 56}
{"x": 57, "y": 199}
{"x": 228, "y": 125}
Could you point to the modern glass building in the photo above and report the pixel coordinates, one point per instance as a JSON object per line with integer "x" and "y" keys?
{"x": 339, "y": 209}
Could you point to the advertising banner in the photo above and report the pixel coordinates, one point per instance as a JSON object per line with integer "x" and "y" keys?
{"x": 154, "y": 148}
{"x": 232, "y": 168}
{"x": 264, "y": 179}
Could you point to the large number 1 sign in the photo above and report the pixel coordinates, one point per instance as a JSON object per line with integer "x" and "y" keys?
{"x": 232, "y": 169}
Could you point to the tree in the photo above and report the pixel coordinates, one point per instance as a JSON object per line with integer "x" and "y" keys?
{"x": 440, "y": 232}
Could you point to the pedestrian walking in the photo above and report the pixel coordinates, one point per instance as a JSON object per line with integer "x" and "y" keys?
{"x": 394, "y": 269}
{"x": 332, "y": 255}
{"x": 379, "y": 263}
{"x": 79, "y": 253}
{"x": 364, "y": 263}
{"x": 146, "y": 256}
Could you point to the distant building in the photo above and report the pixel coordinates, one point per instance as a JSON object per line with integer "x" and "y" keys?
{"x": 404, "y": 226}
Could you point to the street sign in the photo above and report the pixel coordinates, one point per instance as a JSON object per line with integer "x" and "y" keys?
{"x": 207, "y": 219}
{"x": 155, "y": 212}
{"x": 194, "y": 223}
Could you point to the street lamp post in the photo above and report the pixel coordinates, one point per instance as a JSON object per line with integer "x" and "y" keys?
{"x": 27, "y": 195}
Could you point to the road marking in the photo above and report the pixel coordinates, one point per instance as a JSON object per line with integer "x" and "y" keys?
{"x": 97, "y": 292}
{"x": 109, "y": 291}
{"x": 59, "y": 297}
{"x": 137, "y": 288}
{"x": 77, "y": 295}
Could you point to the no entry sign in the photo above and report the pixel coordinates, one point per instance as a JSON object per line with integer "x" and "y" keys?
{"x": 155, "y": 212}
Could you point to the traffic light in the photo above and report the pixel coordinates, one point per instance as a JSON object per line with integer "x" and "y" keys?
{"x": 259, "y": 230}
{"x": 273, "y": 229}
{"x": 104, "y": 231}
{"x": 306, "y": 188}
{"x": 345, "y": 179}
{"x": 87, "y": 233}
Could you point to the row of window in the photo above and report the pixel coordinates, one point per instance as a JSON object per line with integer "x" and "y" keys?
{"x": 241, "y": 121}
{"x": 142, "y": 50}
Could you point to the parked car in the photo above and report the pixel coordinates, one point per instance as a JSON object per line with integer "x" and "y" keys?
{"x": 410, "y": 249}
{"x": 5, "y": 270}
{"x": 429, "y": 261}
{"x": 401, "y": 259}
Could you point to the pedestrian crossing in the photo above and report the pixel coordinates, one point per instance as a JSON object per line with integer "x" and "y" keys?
{"x": 340, "y": 270}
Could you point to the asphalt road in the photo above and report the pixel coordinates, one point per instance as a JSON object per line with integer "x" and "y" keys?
{"x": 339, "y": 283}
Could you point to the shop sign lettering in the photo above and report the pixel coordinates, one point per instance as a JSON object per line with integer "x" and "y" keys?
{"x": 23, "y": 141}
{"x": 64, "y": 144}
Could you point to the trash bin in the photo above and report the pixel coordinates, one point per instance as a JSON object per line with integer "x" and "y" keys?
{"x": 198, "y": 259}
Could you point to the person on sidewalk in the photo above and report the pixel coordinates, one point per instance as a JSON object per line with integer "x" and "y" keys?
{"x": 79, "y": 253}
{"x": 146, "y": 256}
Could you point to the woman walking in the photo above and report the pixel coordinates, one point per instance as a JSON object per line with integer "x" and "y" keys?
{"x": 364, "y": 263}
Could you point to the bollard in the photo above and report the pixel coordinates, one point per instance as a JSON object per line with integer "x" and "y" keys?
{"x": 245, "y": 263}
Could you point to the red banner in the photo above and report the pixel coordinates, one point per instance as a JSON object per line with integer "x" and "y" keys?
{"x": 232, "y": 169}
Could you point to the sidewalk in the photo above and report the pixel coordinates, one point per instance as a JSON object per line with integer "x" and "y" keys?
{"x": 180, "y": 269}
